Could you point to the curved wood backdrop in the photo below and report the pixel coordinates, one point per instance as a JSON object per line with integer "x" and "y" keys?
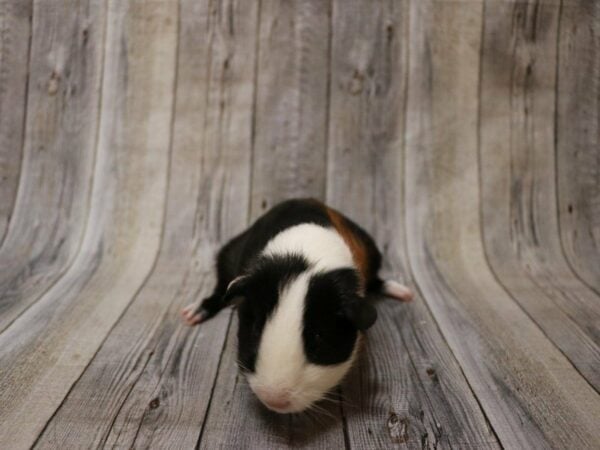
{"x": 138, "y": 135}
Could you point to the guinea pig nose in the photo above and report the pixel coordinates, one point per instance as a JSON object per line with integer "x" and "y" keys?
{"x": 275, "y": 400}
{"x": 277, "y": 403}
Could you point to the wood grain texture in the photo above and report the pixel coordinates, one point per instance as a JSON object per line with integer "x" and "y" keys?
{"x": 15, "y": 33}
{"x": 290, "y": 133}
{"x": 521, "y": 232}
{"x": 137, "y": 136}
{"x": 578, "y": 138}
{"x": 45, "y": 351}
{"x": 154, "y": 393}
{"x": 408, "y": 389}
{"x": 52, "y": 200}
{"x": 512, "y": 367}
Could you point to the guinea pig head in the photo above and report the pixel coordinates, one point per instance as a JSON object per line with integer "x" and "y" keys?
{"x": 298, "y": 329}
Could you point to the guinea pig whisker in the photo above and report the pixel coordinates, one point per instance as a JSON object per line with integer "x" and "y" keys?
{"x": 334, "y": 398}
{"x": 338, "y": 397}
{"x": 331, "y": 396}
{"x": 343, "y": 402}
{"x": 330, "y": 400}
{"x": 321, "y": 410}
{"x": 314, "y": 417}
{"x": 242, "y": 366}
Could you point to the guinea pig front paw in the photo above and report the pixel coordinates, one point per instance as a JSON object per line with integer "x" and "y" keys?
{"x": 192, "y": 315}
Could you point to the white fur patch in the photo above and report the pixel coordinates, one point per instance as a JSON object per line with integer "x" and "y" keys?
{"x": 322, "y": 247}
{"x": 281, "y": 366}
{"x": 281, "y": 351}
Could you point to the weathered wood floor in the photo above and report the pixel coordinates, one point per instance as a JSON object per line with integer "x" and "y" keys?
{"x": 136, "y": 136}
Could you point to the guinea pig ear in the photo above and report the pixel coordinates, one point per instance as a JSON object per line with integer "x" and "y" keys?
{"x": 361, "y": 313}
{"x": 236, "y": 289}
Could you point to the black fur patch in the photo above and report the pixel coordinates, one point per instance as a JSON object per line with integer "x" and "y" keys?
{"x": 238, "y": 255}
{"x": 267, "y": 278}
{"x": 328, "y": 335}
{"x": 248, "y": 245}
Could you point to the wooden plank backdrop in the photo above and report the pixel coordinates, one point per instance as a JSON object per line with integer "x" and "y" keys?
{"x": 137, "y": 136}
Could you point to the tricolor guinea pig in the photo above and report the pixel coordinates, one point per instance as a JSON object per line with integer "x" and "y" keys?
{"x": 301, "y": 273}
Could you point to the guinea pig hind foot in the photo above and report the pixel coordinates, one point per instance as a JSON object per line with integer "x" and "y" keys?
{"x": 397, "y": 291}
{"x": 192, "y": 315}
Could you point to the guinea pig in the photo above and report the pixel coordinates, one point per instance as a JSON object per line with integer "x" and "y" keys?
{"x": 301, "y": 273}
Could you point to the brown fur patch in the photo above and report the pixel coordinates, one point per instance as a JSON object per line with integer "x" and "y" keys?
{"x": 357, "y": 246}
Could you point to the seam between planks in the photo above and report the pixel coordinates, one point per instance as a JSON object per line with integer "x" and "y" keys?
{"x": 142, "y": 370}
{"x": 209, "y": 62}
{"x": 479, "y": 183}
{"x": 573, "y": 323}
{"x": 347, "y": 445}
{"x": 427, "y": 401}
{"x": 161, "y": 237}
{"x": 158, "y": 384}
{"x": 254, "y": 103}
{"x": 71, "y": 262}
{"x": 125, "y": 398}
{"x": 214, "y": 385}
{"x": 248, "y": 209}
{"x": 420, "y": 294}
{"x": 481, "y": 220}
{"x": 408, "y": 256}
{"x": 161, "y": 240}
{"x": 150, "y": 353}
{"x": 327, "y": 158}
{"x": 345, "y": 433}
{"x": 23, "y": 131}
{"x": 556, "y": 170}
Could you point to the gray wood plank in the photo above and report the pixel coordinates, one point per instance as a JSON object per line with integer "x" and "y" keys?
{"x": 52, "y": 200}
{"x": 154, "y": 392}
{"x": 578, "y": 138}
{"x": 408, "y": 390}
{"x": 288, "y": 160}
{"x": 532, "y": 395}
{"x": 15, "y": 34}
{"x": 521, "y": 232}
{"x": 291, "y": 103}
{"x": 47, "y": 348}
